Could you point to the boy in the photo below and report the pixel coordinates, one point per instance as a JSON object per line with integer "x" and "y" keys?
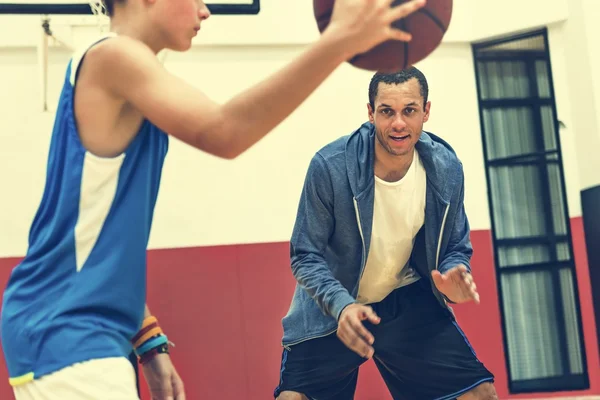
{"x": 73, "y": 306}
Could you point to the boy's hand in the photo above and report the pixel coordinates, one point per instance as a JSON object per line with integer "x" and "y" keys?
{"x": 366, "y": 23}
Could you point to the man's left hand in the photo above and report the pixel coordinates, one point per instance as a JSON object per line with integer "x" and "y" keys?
{"x": 162, "y": 378}
{"x": 457, "y": 284}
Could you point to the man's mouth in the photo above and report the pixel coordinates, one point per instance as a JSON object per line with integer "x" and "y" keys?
{"x": 399, "y": 138}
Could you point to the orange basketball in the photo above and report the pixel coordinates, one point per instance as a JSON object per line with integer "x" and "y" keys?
{"x": 427, "y": 26}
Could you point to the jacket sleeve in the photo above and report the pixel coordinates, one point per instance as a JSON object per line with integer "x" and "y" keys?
{"x": 459, "y": 249}
{"x": 312, "y": 230}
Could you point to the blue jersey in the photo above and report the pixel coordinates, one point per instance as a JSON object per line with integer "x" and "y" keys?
{"x": 80, "y": 291}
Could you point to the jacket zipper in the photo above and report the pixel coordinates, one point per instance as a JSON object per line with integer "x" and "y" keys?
{"x": 439, "y": 245}
{"x": 288, "y": 346}
{"x": 361, "y": 236}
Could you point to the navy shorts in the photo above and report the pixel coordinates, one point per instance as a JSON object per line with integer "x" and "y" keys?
{"x": 420, "y": 351}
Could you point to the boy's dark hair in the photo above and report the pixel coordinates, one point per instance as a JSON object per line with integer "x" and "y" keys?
{"x": 110, "y": 6}
{"x": 397, "y": 78}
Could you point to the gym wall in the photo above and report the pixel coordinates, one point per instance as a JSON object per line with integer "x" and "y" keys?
{"x": 218, "y": 270}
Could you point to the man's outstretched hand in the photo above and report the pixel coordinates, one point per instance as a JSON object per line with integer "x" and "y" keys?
{"x": 457, "y": 284}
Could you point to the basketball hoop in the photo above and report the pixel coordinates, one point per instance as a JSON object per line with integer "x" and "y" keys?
{"x": 67, "y": 24}
{"x": 98, "y": 8}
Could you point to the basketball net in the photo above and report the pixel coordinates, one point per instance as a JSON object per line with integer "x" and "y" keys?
{"x": 99, "y": 10}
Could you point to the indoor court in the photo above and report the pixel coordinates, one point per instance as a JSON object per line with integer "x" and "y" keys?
{"x": 514, "y": 89}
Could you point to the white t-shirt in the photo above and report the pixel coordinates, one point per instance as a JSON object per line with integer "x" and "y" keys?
{"x": 398, "y": 215}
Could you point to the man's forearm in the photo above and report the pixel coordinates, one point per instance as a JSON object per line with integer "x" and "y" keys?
{"x": 318, "y": 281}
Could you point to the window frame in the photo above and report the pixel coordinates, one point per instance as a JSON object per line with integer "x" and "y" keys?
{"x": 566, "y": 382}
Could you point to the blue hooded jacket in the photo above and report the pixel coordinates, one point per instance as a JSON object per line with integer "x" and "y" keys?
{"x": 332, "y": 233}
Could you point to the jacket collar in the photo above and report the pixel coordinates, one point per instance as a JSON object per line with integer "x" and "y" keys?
{"x": 439, "y": 161}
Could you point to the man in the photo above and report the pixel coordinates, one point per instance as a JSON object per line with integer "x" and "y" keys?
{"x": 380, "y": 245}
{"x": 74, "y": 307}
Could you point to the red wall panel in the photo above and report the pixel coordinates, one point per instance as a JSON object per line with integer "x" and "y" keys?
{"x": 222, "y": 307}
{"x": 6, "y": 265}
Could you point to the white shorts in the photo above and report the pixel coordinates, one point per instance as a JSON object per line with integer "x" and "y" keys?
{"x": 101, "y": 379}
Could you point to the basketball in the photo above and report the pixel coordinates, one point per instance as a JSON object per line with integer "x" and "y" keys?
{"x": 427, "y": 26}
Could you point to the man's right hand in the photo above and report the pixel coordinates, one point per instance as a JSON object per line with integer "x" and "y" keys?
{"x": 366, "y": 23}
{"x": 353, "y": 333}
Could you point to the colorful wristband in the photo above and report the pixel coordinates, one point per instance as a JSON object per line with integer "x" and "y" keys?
{"x": 149, "y": 320}
{"x": 143, "y": 331}
{"x": 162, "y": 349}
{"x": 146, "y": 336}
{"x": 152, "y": 343}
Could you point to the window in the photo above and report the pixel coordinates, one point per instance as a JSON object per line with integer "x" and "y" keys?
{"x": 533, "y": 252}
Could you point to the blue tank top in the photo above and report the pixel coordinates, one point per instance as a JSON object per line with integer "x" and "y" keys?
{"x": 79, "y": 293}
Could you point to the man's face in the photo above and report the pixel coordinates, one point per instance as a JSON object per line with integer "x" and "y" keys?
{"x": 398, "y": 117}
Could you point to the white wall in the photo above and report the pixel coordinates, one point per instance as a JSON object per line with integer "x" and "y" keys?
{"x": 492, "y": 18}
{"x": 575, "y": 62}
{"x": 279, "y": 22}
{"x": 591, "y": 16}
{"x": 563, "y": 93}
{"x": 206, "y": 201}
{"x": 292, "y": 22}
{"x": 24, "y": 139}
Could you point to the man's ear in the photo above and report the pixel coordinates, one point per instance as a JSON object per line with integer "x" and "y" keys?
{"x": 427, "y": 109}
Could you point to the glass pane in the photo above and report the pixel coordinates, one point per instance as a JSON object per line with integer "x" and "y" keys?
{"x": 562, "y": 252}
{"x": 572, "y": 329}
{"x": 559, "y": 218}
{"x": 531, "y": 325}
{"x": 509, "y": 132}
{"x": 503, "y": 79}
{"x": 514, "y": 256}
{"x": 518, "y": 204}
{"x": 548, "y": 127}
{"x": 543, "y": 83}
{"x": 526, "y": 44}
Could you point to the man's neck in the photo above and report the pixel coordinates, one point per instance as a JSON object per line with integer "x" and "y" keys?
{"x": 392, "y": 168}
